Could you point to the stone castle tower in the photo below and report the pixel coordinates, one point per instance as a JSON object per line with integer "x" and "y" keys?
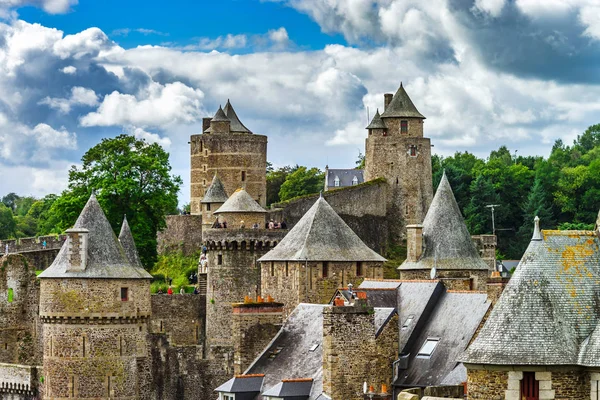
{"x": 397, "y": 151}
{"x": 94, "y": 307}
{"x": 233, "y": 270}
{"x": 226, "y": 146}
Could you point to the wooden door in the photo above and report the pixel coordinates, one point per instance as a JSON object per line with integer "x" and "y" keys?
{"x": 530, "y": 388}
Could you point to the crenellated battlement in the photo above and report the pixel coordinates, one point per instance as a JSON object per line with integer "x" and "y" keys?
{"x": 242, "y": 239}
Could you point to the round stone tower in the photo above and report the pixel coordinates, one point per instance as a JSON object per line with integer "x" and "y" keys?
{"x": 233, "y": 270}
{"x": 226, "y": 146}
{"x": 397, "y": 151}
{"x": 94, "y": 306}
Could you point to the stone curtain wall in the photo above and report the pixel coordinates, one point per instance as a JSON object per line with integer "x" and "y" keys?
{"x": 453, "y": 279}
{"x": 362, "y": 207}
{"x": 292, "y": 282}
{"x": 228, "y": 155}
{"x": 180, "y": 317}
{"x": 352, "y": 353}
{"x": 183, "y": 233}
{"x": 20, "y": 339}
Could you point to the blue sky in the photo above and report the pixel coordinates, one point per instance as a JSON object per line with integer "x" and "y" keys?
{"x": 485, "y": 73}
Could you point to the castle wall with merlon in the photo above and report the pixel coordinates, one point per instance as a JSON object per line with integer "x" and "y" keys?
{"x": 240, "y": 160}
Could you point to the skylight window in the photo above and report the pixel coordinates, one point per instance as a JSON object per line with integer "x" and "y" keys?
{"x": 428, "y": 347}
{"x": 313, "y": 347}
{"x": 408, "y": 322}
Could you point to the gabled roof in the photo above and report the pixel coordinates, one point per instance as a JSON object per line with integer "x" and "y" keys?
{"x": 401, "y": 106}
{"x": 240, "y": 202}
{"x": 321, "y": 235}
{"x": 376, "y": 122}
{"x": 549, "y": 309}
{"x": 291, "y": 388}
{"x": 216, "y": 192}
{"x": 220, "y": 116}
{"x": 446, "y": 240}
{"x": 236, "y": 124}
{"x": 243, "y": 384}
{"x": 106, "y": 257}
{"x": 126, "y": 240}
{"x": 346, "y": 176}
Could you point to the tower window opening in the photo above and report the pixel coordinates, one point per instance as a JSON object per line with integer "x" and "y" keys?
{"x": 412, "y": 151}
{"x": 204, "y": 167}
{"x": 206, "y": 152}
{"x": 5, "y": 346}
{"x": 286, "y": 269}
{"x": 207, "y": 206}
{"x": 201, "y": 146}
{"x": 243, "y": 176}
{"x": 272, "y": 268}
{"x": 83, "y": 345}
{"x": 403, "y": 126}
{"x": 359, "y": 268}
{"x": 325, "y": 269}
{"x": 124, "y": 294}
{"x": 219, "y": 259}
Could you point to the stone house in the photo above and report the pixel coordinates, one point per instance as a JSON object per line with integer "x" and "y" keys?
{"x": 339, "y": 178}
{"x": 547, "y": 319}
{"x": 318, "y": 255}
{"x": 442, "y": 248}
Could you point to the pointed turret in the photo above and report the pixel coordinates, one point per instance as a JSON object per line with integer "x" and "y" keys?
{"x": 216, "y": 192}
{"x": 377, "y": 122}
{"x": 92, "y": 250}
{"x": 446, "y": 240}
{"x": 220, "y": 116}
{"x": 322, "y": 235}
{"x": 240, "y": 202}
{"x": 126, "y": 240}
{"x": 236, "y": 125}
{"x": 401, "y": 106}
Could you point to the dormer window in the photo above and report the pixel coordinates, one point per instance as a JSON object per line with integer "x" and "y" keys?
{"x": 226, "y": 396}
{"x": 428, "y": 347}
{"x": 403, "y": 126}
{"x": 354, "y": 180}
{"x": 336, "y": 182}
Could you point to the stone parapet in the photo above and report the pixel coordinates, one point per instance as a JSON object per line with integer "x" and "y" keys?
{"x": 19, "y": 379}
{"x": 251, "y": 238}
{"x": 53, "y": 242}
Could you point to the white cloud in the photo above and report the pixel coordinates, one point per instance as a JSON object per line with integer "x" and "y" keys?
{"x": 222, "y": 42}
{"x": 149, "y": 137}
{"x": 492, "y": 7}
{"x": 50, "y": 6}
{"x": 79, "y": 96}
{"x": 47, "y": 136}
{"x": 88, "y": 42}
{"x": 158, "y": 105}
{"x": 279, "y": 37}
{"x": 69, "y": 70}
{"x": 143, "y": 31}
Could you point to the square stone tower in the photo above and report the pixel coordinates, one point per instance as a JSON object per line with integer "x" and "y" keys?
{"x": 230, "y": 149}
{"x": 397, "y": 151}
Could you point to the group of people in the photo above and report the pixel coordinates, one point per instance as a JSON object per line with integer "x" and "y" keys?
{"x": 218, "y": 224}
{"x": 275, "y": 225}
{"x": 181, "y": 291}
{"x": 268, "y": 225}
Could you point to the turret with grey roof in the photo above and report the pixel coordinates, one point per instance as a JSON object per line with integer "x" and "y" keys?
{"x": 126, "y": 240}
{"x": 102, "y": 255}
{"x": 401, "y": 106}
{"x": 447, "y": 244}
{"x": 377, "y": 122}
{"x": 240, "y": 202}
{"x": 216, "y": 192}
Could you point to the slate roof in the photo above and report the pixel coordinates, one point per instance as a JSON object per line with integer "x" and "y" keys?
{"x": 377, "y": 297}
{"x": 548, "y": 312}
{"x": 453, "y": 320}
{"x": 376, "y": 122}
{"x": 106, "y": 257}
{"x": 236, "y": 124}
{"x": 380, "y": 283}
{"x": 401, "y": 106}
{"x": 288, "y": 356}
{"x": 345, "y": 176}
{"x": 242, "y": 384}
{"x": 291, "y": 388}
{"x": 126, "y": 240}
{"x": 220, "y": 116}
{"x": 216, "y": 192}
{"x": 447, "y": 244}
{"x": 240, "y": 202}
{"x": 321, "y": 235}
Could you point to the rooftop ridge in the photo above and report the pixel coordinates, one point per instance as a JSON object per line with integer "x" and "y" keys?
{"x": 298, "y": 380}
{"x": 241, "y": 376}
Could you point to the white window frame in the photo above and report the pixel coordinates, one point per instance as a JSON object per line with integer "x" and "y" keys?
{"x": 354, "y": 181}
{"x": 336, "y": 182}
{"x": 431, "y": 341}
{"x": 226, "y": 396}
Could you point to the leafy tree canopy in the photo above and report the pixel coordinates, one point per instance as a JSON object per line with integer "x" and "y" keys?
{"x": 301, "y": 182}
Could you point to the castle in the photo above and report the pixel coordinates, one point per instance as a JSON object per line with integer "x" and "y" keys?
{"x": 304, "y": 310}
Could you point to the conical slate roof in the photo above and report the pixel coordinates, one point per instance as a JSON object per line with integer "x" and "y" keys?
{"x": 548, "y": 312}
{"x": 321, "y": 235}
{"x": 236, "y": 124}
{"x": 106, "y": 257}
{"x": 126, "y": 240}
{"x": 401, "y": 106}
{"x": 240, "y": 202}
{"x": 216, "y": 192}
{"x": 376, "y": 122}
{"x": 220, "y": 116}
{"x": 447, "y": 242}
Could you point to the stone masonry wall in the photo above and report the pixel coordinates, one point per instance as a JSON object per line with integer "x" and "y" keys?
{"x": 571, "y": 385}
{"x": 452, "y": 279}
{"x": 183, "y": 233}
{"x": 351, "y": 352}
{"x": 19, "y": 382}
{"x": 253, "y": 327}
{"x": 488, "y": 385}
{"x": 235, "y": 220}
{"x": 20, "y": 330}
{"x": 362, "y": 207}
{"x": 292, "y": 282}
{"x": 180, "y": 317}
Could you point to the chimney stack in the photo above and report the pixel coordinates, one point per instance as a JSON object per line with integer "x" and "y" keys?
{"x": 414, "y": 242}
{"x": 77, "y": 245}
{"x": 387, "y": 99}
{"x": 205, "y": 123}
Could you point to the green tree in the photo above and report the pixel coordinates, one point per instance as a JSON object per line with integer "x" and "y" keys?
{"x": 7, "y": 222}
{"x": 10, "y": 200}
{"x": 275, "y": 178}
{"x": 301, "y": 182}
{"x": 360, "y": 162}
{"x": 131, "y": 177}
{"x": 478, "y": 216}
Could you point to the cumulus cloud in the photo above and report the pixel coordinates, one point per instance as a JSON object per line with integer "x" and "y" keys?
{"x": 158, "y": 105}
{"x": 50, "y": 6}
{"x": 68, "y": 70}
{"x": 149, "y": 137}
{"x": 79, "y": 96}
{"x": 143, "y": 31}
{"x": 274, "y": 39}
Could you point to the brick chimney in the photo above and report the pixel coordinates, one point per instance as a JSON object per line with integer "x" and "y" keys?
{"x": 77, "y": 245}
{"x": 414, "y": 242}
{"x": 254, "y": 325}
{"x": 205, "y": 123}
{"x": 387, "y": 99}
{"x": 495, "y": 286}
